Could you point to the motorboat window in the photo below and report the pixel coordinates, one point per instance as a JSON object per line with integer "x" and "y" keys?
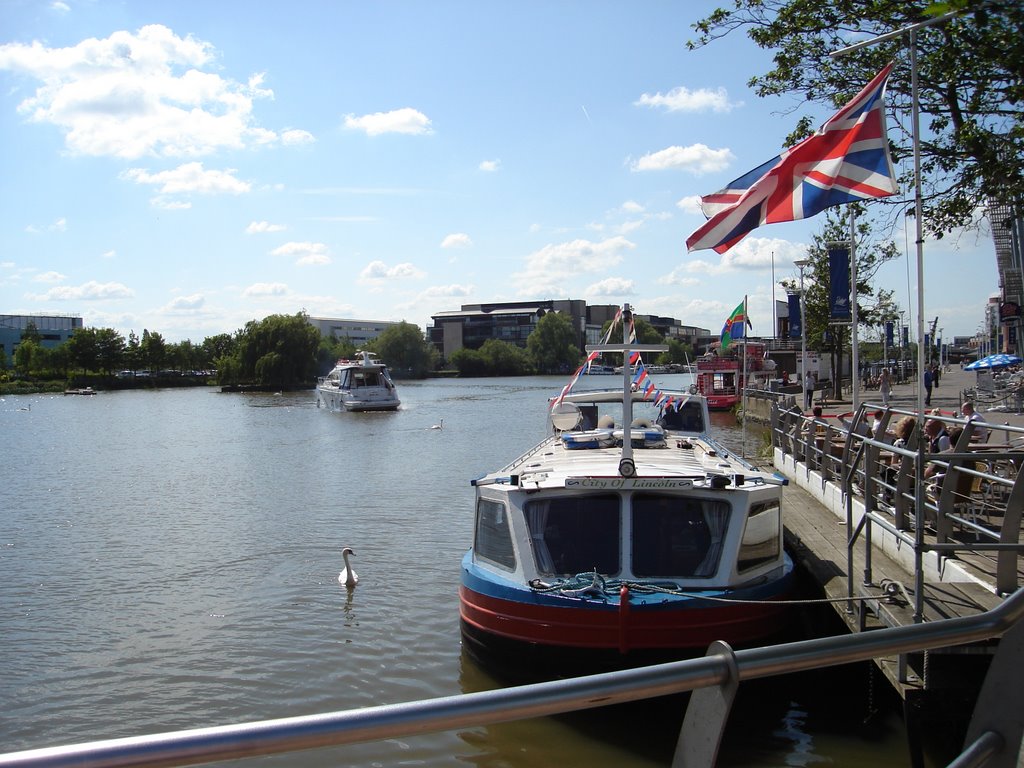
{"x": 689, "y": 417}
{"x": 676, "y": 536}
{"x": 761, "y": 536}
{"x": 493, "y": 537}
{"x": 575, "y": 534}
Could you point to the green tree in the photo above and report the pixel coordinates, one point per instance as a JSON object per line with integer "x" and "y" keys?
{"x": 468, "y": 362}
{"x": 969, "y": 82}
{"x": 31, "y": 333}
{"x": 133, "y": 352}
{"x": 406, "y": 351}
{"x": 552, "y": 345}
{"x": 871, "y": 253}
{"x": 25, "y": 355}
{"x": 153, "y": 350}
{"x": 503, "y": 358}
{"x": 83, "y": 349}
{"x": 110, "y": 350}
{"x": 678, "y": 353}
{"x": 216, "y": 347}
{"x": 278, "y": 351}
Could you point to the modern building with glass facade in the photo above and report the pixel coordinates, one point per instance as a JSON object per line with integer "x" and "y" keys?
{"x": 53, "y": 331}
{"x": 357, "y": 331}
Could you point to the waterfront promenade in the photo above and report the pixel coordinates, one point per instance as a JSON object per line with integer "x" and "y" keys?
{"x": 947, "y": 397}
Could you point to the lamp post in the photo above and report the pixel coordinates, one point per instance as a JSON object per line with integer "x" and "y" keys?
{"x": 900, "y": 343}
{"x": 801, "y": 264}
{"x": 942, "y": 332}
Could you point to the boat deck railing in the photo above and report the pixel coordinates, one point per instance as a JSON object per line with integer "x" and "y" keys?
{"x": 993, "y": 739}
{"x": 961, "y": 503}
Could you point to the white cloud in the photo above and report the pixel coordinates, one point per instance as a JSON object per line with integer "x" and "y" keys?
{"x": 611, "y": 286}
{"x": 697, "y": 159}
{"x": 136, "y": 94}
{"x": 548, "y": 269}
{"x": 49, "y": 277}
{"x": 111, "y": 254}
{"x": 305, "y": 253}
{"x": 406, "y": 120}
{"x": 295, "y": 137}
{"x": 378, "y": 272}
{"x": 265, "y": 289}
{"x": 257, "y": 227}
{"x": 490, "y": 166}
{"x": 752, "y": 254}
{"x": 684, "y": 100}
{"x": 186, "y": 303}
{"x": 60, "y": 7}
{"x": 90, "y": 291}
{"x": 631, "y": 206}
{"x": 448, "y": 291}
{"x": 189, "y": 178}
{"x": 457, "y": 240}
{"x": 676, "y": 277}
{"x": 690, "y": 204}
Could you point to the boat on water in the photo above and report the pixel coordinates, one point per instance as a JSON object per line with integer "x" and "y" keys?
{"x": 721, "y": 378}
{"x": 80, "y": 391}
{"x": 363, "y": 384}
{"x": 627, "y": 536}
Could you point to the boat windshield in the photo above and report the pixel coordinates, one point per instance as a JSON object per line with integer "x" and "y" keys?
{"x": 677, "y": 536}
{"x": 575, "y": 534}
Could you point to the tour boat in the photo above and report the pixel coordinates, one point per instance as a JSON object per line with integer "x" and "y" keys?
{"x": 721, "y": 378}
{"x": 358, "y": 385}
{"x": 627, "y": 536}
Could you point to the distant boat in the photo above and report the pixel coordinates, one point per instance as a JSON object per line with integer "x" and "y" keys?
{"x": 80, "y": 391}
{"x": 601, "y": 370}
{"x": 358, "y": 385}
{"x": 722, "y": 378}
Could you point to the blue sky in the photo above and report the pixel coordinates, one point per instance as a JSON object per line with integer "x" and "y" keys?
{"x": 187, "y": 167}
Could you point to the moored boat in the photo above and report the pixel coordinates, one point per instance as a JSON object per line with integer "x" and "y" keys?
{"x": 627, "y": 536}
{"x": 721, "y": 378}
{"x": 363, "y": 384}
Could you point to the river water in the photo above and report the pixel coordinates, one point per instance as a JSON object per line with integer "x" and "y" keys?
{"x": 169, "y": 560}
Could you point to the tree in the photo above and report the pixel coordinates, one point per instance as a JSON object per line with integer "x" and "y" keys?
{"x": 31, "y": 333}
{"x": 278, "y": 351}
{"x": 83, "y": 349}
{"x": 503, "y": 358}
{"x": 552, "y": 344}
{"x": 153, "y": 350}
{"x": 969, "y": 83}
{"x": 25, "y": 355}
{"x": 110, "y": 350}
{"x": 405, "y": 350}
{"x": 468, "y": 362}
{"x": 132, "y": 352}
{"x": 871, "y": 253}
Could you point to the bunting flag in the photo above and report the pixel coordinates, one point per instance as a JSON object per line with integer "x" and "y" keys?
{"x": 845, "y": 161}
{"x": 736, "y": 324}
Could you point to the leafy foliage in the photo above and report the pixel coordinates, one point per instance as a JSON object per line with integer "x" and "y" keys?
{"x": 552, "y": 344}
{"x": 405, "y": 350}
{"x": 969, "y": 84}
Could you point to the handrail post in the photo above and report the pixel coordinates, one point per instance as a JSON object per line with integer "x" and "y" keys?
{"x": 701, "y": 733}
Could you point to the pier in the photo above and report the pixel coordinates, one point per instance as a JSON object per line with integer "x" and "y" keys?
{"x": 888, "y": 555}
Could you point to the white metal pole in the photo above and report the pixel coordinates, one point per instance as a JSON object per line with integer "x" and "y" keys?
{"x": 855, "y": 361}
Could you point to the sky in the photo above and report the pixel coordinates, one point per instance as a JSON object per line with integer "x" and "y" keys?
{"x": 186, "y": 167}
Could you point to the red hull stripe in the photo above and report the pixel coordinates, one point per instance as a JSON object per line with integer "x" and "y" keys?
{"x": 645, "y": 629}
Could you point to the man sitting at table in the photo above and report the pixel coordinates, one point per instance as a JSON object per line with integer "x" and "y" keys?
{"x": 981, "y": 432}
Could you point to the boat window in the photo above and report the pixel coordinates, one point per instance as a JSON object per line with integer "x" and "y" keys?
{"x": 575, "y": 534}
{"x": 677, "y": 537}
{"x": 687, "y": 418}
{"x": 493, "y": 538}
{"x": 760, "y": 536}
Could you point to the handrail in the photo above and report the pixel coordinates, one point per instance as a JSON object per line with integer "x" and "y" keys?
{"x": 267, "y": 737}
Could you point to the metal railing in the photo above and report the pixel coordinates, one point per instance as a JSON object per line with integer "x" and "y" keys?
{"x": 992, "y": 739}
{"x": 971, "y": 497}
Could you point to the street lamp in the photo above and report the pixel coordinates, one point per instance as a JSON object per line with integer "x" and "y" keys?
{"x": 801, "y": 264}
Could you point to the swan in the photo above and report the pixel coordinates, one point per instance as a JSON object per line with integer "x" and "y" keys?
{"x": 347, "y": 576}
{"x": 28, "y": 408}
{"x": 438, "y": 426}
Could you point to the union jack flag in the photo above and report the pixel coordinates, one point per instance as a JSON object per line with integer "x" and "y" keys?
{"x": 845, "y": 161}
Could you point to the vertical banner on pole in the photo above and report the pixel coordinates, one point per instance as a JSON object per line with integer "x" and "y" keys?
{"x": 888, "y": 333}
{"x": 839, "y": 283}
{"x": 906, "y": 335}
{"x": 796, "y": 328}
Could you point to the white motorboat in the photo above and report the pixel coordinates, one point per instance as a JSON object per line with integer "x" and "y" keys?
{"x": 363, "y": 384}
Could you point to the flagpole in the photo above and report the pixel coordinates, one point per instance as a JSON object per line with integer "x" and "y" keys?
{"x": 743, "y": 391}
{"x": 855, "y": 361}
